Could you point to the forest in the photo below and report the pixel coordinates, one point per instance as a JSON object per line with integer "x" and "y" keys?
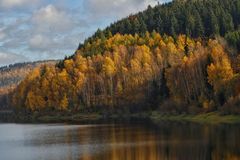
{"x": 194, "y": 18}
{"x": 12, "y": 75}
{"x": 137, "y": 73}
{"x": 178, "y": 57}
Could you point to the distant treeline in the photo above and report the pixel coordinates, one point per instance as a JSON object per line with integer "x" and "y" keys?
{"x": 12, "y": 75}
{"x": 23, "y": 64}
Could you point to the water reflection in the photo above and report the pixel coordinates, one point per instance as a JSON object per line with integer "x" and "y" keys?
{"x": 166, "y": 141}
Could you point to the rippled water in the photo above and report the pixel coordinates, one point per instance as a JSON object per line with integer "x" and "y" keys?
{"x": 119, "y": 142}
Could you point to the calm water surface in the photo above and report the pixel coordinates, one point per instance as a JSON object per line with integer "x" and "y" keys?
{"x": 119, "y": 142}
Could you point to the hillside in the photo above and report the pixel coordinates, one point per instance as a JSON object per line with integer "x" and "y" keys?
{"x": 170, "y": 71}
{"x": 12, "y": 75}
{"x": 195, "y": 18}
{"x": 136, "y": 73}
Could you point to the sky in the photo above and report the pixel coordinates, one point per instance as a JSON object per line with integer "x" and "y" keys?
{"x": 32, "y": 30}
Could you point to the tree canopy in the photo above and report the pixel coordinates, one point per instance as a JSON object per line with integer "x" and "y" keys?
{"x": 194, "y": 18}
{"x": 133, "y": 71}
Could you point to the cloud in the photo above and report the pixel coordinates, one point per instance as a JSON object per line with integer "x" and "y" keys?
{"x": 16, "y": 3}
{"x": 47, "y": 46}
{"x": 118, "y": 8}
{"x": 55, "y": 32}
{"x": 50, "y": 18}
{"x": 9, "y": 58}
{"x": 2, "y": 34}
{"x": 39, "y": 42}
{"x": 50, "y": 29}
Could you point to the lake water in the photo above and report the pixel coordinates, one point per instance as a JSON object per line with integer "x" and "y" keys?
{"x": 131, "y": 141}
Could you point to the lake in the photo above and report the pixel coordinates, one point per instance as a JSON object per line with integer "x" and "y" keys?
{"x": 126, "y": 141}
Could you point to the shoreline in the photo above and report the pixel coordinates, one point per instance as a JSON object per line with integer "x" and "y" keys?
{"x": 212, "y": 118}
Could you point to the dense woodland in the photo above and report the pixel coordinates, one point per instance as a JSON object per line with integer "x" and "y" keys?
{"x": 12, "y": 75}
{"x": 233, "y": 38}
{"x": 194, "y": 18}
{"x": 179, "y": 57}
{"x": 136, "y": 73}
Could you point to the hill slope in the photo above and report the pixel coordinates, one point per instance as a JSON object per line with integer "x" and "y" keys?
{"x": 133, "y": 72}
{"x": 195, "y": 18}
{"x": 12, "y": 75}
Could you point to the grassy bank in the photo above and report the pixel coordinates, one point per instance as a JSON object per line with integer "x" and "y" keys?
{"x": 88, "y": 117}
{"x": 208, "y": 118}
{"x": 75, "y": 118}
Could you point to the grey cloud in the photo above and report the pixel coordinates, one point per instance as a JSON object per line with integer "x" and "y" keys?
{"x": 55, "y": 32}
{"x": 118, "y": 8}
{"x": 40, "y": 42}
{"x": 2, "y": 34}
{"x": 52, "y": 31}
{"x": 15, "y": 33}
{"x": 9, "y": 58}
{"x": 8, "y": 4}
{"x": 48, "y": 33}
{"x": 52, "y": 18}
{"x": 56, "y": 46}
